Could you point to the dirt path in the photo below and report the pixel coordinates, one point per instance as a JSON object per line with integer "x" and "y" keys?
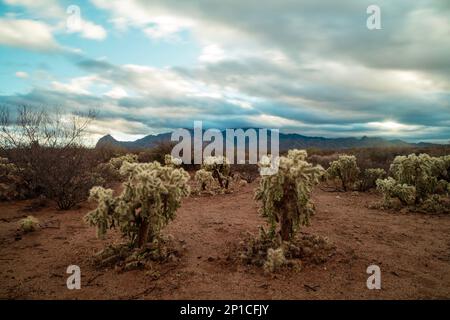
{"x": 412, "y": 250}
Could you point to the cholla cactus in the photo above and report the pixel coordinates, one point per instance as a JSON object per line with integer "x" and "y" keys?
{"x": 220, "y": 168}
{"x": 117, "y": 162}
{"x": 391, "y": 189}
{"x": 275, "y": 259}
{"x": 11, "y": 184}
{"x": 29, "y": 224}
{"x": 417, "y": 179}
{"x": 149, "y": 200}
{"x": 419, "y": 171}
{"x": 285, "y": 195}
{"x": 369, "y": 177}
{"x": 171, "y": 161}
{"x": 110, "y": 171}
{"x": 344, "y": 169}
{"x": 204, "y": 179}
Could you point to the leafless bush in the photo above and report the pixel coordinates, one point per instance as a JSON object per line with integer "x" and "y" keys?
{"x": 48, "y": 148}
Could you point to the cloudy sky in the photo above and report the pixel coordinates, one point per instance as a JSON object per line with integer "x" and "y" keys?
{"x": 306, "y": 66}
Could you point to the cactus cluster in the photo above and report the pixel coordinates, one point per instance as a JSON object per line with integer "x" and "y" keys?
{"x": 268, "y": 252}
{"x": 149, "y": 200}
{"x": 416, "y": 180}
{"x": 220, "y": 169}
{"x": 285, "y": 195}
{"x": 391, "y": 189}
{"x": 12, "y": 186}
{"x": 110, "y": 171}
{"x": 172, "y": 161}
{"x": 275, "y": 260}
{"x": 204, "y": 179}
{"x": 29, "y": 224}
{"x": 344, "y": 169}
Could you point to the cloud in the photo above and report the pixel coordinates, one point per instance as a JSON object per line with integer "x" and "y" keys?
{"x": 88, "y": 30}
{"x": 53, "y": 10}
{"x": 155, "y": 24}
{"x": 305, "y": 66}
{"x": 27, "y": 34}
{"x": 46, "y": 8}
{"x": 80, "y": 85}
{"x": 21, "y": 74}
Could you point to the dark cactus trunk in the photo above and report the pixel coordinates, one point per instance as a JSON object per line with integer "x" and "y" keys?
{"x": 288, "y": 206}
{"x": 143, "y": 233}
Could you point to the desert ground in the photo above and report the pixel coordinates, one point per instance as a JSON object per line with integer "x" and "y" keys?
{"x": 412, "y": 250}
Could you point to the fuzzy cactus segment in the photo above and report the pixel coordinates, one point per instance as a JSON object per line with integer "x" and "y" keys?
{"x": 220, "y": 169}
{"x": 204, "y": 179}
{"x": 172, "y": 161}
{"x": 285, "y": 195}
{"x": 149, "y": 200}
{"x": 345, "y": 169}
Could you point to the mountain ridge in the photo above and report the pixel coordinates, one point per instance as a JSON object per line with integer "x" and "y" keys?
{"x": 287, "y": 141}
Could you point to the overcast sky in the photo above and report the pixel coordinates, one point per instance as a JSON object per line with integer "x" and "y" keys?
{"x": 306, "y": 66}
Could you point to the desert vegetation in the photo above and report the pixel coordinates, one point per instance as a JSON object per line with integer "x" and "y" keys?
{"x": 151, "y": 212}
{"x": 149, "y": 200}
{"x": 286, "y": 206}
{"x": 418, "y": 180}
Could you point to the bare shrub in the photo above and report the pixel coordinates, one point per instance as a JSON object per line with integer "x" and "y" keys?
{"x": 47, "y": 147}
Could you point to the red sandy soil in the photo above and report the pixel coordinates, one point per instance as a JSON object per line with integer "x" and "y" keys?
{"x": 412, "y": 250}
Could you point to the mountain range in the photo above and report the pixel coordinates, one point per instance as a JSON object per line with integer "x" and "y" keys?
{"x": 287, "y": 141}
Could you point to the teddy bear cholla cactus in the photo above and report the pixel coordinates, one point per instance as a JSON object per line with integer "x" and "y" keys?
{"x": 392, "y": 189}
{"x": 285, "y": 195}
{"x": 415, "y": 179}
{"x": 204, "y": 178}
{"x": 275, "y": 259}
{"x": 345, "y": 169}
{"x": 117, "y": 162}
{"x": 220, "y": 168}
{"x": 169, "y": 160}
{"x": 147, "y": 203}
{"x": 110, "y": 170}
{"x": 12, "y": 186}
{"x": 29, "y": 224}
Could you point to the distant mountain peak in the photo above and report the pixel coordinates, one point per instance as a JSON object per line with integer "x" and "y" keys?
{"x": 287, "y": 141}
